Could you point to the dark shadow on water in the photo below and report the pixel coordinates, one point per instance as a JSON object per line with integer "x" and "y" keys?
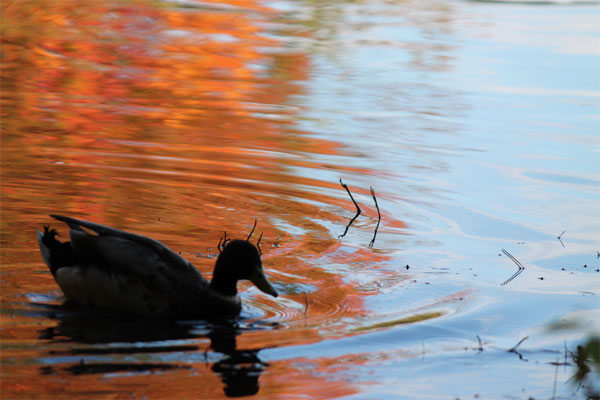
{"x": 240, "y": 369}
{"x": 110, "y": 335}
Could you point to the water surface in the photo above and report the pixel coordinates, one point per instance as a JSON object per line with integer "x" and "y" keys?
{"x": 476, "y": 123}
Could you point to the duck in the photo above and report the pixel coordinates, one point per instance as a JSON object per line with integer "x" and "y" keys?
{"x": 107, "y": 268}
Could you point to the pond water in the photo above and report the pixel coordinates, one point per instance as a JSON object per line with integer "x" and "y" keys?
{"x": 476, "y": 124}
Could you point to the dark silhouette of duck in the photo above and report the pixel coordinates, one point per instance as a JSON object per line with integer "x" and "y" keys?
{"x": 131, "y": 273}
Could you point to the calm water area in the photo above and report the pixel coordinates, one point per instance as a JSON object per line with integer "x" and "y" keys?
{"x": 477, "y": 124}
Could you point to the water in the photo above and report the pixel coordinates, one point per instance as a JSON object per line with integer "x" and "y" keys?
{"x": 476, "y": 123}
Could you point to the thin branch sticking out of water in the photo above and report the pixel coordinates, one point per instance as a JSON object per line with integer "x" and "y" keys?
{"x": 559, "y": 237}
{"x": 555, "y": 379}
{"x": 521, "y": 267}
{"x": 260, "y": 237}
{"x": 305, "y": 304}
{"x": 258, "y": 244}
{"x": 378, "y": 218}
{"x": 223, "y": 242}
{"x": 355, "y": 204}
{"x": 252, "y": 231}
{"x": 514, "y": 348}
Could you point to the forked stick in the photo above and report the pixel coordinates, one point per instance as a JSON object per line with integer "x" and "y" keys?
{"x": 223, "y": 242}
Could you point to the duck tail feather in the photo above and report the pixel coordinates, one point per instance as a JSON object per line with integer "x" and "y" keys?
{"x": 55, "y": 253}
{"x": 150, "y": 243}
{"x": 77, "y": 224}
{"x": 44, "y": 250}
{"x": 72, "y": 222}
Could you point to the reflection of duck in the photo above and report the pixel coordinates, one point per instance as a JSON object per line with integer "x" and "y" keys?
{"x": 239, "y": 369}
{"x": 104, "y": 337}
{"x": 132, "y": 273}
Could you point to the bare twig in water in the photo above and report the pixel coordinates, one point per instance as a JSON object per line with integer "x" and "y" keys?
{"x": 305, "y": 304}
{"x": 514, "y": 348}
{"x": 258, "y": 244}
{"x": 518, "y": 344}
{"x": 555, "y": 378}
{"x": 252, "y": 231}
{"x": 521, "y": 267}
{"x": 378, "y": 218}
{"x": 222, "y": 242}
{"x": 559, "y": 237}
{"x": 355, "y": 204}
{"x": 480, "y": 344}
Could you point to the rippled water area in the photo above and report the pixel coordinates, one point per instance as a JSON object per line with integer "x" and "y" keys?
{"x": 467, "y": 132}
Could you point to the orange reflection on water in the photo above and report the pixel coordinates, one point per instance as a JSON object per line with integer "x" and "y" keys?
{"x": 177, "y": 123}
{"x": 292, "y": 379}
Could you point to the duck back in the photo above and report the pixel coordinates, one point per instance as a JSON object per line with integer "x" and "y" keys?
{"x": 124, "y": 272}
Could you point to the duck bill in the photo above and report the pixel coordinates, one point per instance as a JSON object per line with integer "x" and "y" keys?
{"x": 260, "y": 280}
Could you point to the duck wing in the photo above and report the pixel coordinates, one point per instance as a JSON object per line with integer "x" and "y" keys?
{"x": 127, "y": 271}
{"x": 148, "y": 244}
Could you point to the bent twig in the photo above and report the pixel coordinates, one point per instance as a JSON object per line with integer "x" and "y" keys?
{"x": 355, "y": 204}
{"x": 559, "y": 237}
{"x": 514, "y": 348}
{"x": 252, "y": 231}
{"x": 258, "y": 244}
{"x": 305, "y": 304}
{"x": 521, "y": 267}
{"x": 223, "y": 242}
{"x": 378, "y": 218}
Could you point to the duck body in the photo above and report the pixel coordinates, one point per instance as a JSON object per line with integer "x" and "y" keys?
{"x": 113, "y": 269}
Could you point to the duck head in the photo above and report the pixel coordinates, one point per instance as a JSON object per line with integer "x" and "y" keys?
{"x": 239, "y": 260}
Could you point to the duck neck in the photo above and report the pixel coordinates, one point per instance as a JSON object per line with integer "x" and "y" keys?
{"x": 223, "y": 284}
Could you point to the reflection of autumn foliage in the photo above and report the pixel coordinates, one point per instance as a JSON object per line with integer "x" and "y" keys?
{"x": 177, "y": 123}
{"x": 82, "y": 66}
{"x": 79, "y": 77}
